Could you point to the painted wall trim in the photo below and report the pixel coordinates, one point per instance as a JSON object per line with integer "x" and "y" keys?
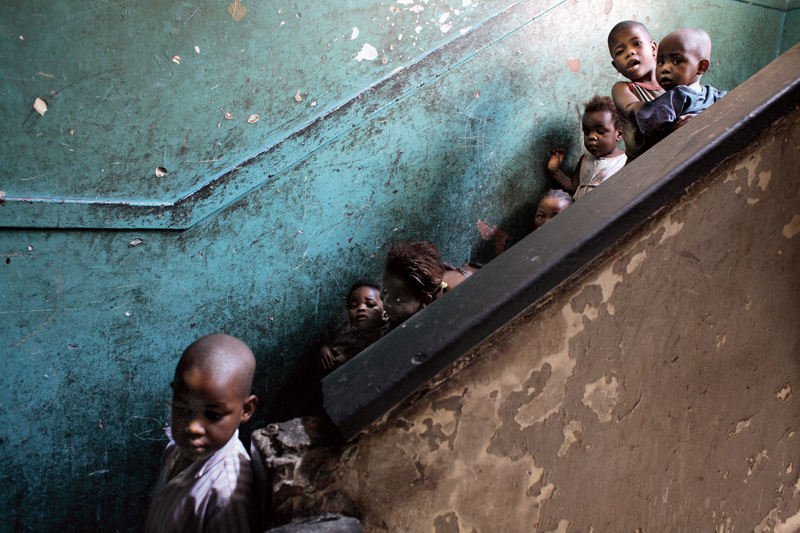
{"x": 260, "y": 169}
{"x": 391, "y": 370}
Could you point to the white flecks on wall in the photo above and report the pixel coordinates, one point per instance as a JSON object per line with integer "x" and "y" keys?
{"x": 416, "y": 9}
{"x": 237, "y": 10}
{"x": 444, "y": 17}
{"x": 445, "y": 28}
{"x": 367, "y": 52}
{"x": 354, "y": 35}
{"x": 40, "y": 106}
{"x": 405, "y": 2}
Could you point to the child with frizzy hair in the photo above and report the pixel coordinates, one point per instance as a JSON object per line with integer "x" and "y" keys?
{"x": 683, "y": 58}
{"x": 550, "y": 204}
{"x": 413, "y": 278}
{"x": 366, "y": 322}
{"x": 602, "y": 131}
{"x": 633, "y": 54}
{"x": 206, "y": 480}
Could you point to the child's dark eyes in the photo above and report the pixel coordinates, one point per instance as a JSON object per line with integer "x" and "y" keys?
{"x": 213, "y": 416}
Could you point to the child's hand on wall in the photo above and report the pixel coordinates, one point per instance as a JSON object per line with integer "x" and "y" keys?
{"x": 557, "y": 157}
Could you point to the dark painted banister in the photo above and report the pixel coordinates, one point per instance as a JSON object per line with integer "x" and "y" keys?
{"x": 391, "y": 370}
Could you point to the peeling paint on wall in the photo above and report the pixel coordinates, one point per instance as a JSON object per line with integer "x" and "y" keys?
{"x": 792, "y": 228}
{"x": 665, "y": 388}
{"x": 601, "y": 397}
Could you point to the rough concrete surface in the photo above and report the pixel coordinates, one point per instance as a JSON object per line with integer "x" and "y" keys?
{"x": 656, "y": 392}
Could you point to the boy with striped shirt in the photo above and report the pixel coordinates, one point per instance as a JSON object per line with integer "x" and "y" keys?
{"x": 205, "y": 483}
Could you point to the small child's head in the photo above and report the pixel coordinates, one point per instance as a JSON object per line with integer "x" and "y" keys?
{"x": 211, "y": 394}
{"x": 413, "y": 276}
{"x": 551, "y": 203}
{"x": 602, "y": 128}
{"x": 364, "y": 305}
{"x": 683, "y": 57}
{"x": 633, "y": 51}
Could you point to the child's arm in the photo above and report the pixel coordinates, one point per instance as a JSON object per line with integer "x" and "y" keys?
{"x": 626, "y": 101}
{"x": 569, "y": 184}
{"x": 327, "y": 361}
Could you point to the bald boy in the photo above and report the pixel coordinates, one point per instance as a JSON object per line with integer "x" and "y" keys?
{"x": 683, "y": 57}
{"x": 206, "y": 479}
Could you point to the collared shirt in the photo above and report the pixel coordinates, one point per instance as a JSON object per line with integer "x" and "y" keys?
{"x": 211, "y": 495}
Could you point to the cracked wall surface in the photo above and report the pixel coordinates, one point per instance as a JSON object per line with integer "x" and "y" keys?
{"x": 655, "y": 392}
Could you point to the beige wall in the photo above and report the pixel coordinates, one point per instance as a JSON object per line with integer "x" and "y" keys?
{"x": 657, "y": 392}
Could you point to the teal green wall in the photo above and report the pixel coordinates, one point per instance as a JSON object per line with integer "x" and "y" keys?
{"x": 92, "y": 326}
{"x": 791, "y": 29}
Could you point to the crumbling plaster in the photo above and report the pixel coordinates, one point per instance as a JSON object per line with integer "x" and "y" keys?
{"x": 655, "y": 392}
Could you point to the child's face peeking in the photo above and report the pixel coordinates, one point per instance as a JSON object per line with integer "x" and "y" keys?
{"x": 364, "y": 308}
{"x": 206, "y": 412}
{"x": 675, "y": 65}
{"x": 600, "y": 135}
{"x": 633, "y": 53}
{"x": 399, "y": 299}
{"x": 548, "y": 208}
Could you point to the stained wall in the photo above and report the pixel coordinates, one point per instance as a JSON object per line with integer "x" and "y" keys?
{"x": 657, "y": 391}
{"x": 109, "y": 271}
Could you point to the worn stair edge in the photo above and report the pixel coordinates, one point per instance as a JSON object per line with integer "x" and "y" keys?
{"x": 391, "y": 370}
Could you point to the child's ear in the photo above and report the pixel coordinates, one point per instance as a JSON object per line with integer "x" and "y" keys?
{"x": 702, "y": 67}
{"x": 249, "y": 408}
{"x": 654, "y": 46}
{"x": 428, "y": 298}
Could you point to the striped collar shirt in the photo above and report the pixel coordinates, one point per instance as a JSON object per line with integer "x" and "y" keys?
{"x": 208, "y": 496}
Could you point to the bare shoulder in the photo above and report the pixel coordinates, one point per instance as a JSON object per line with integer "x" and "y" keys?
{"x": 621, "y": 93}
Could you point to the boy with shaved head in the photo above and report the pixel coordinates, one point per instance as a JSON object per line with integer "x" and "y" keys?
{"x": 206, "y": 479}
{"x": 682, "y": 59}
